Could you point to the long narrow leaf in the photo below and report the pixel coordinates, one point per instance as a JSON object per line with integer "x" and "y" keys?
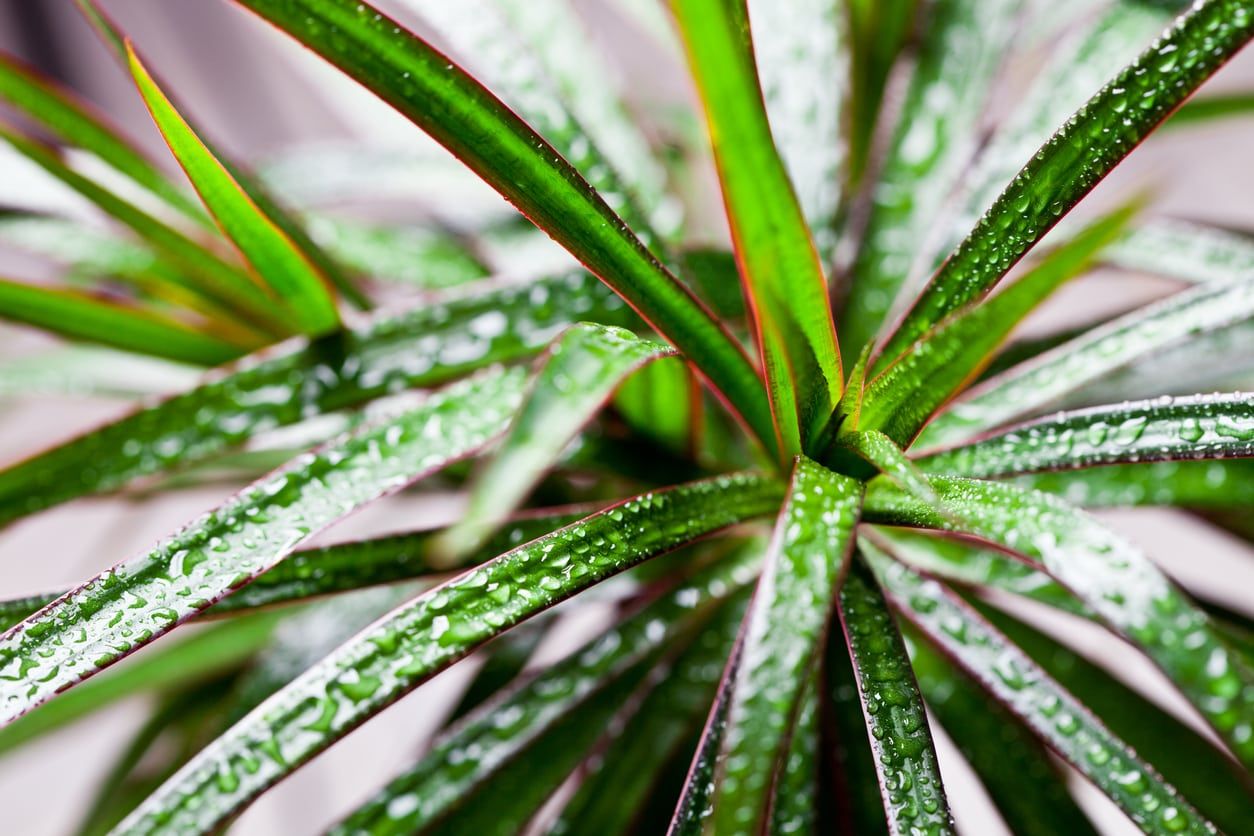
{"x": 195, "y": 659}
{"x": 801, "y": 54}
{"x": 1032, "y": 386}
{"x": 146, "y": 596}
{"x": 506, "y": 730}
{"x": 423, "y": 347}
{"x": 582, "y": 371}
{"x": 900, "y": 400}
{"x": 343, "y": 567}
{"x": 439, "y": 97}
{"x": 1108, "y": 574}
{"x": 288, "y": 272}
{"x": 1098, "y": 48}
{"x": 1188, "y": 252}
{"x": 1075, "y": 159}
{"x": 620, "y": 778}
{"x": 905, "y": 760}
{"x": 962, "y": 45}
{"x": 82, "y": 317}
{"x": 783, "y": 634}
{"x": 1028, "y": 788}
{"x": 215, "y": 278}
{"x": 427, "y": 635}
{"x": 1167, "y": 429}
{"x": 779, "y": 265}
{"x": 1054, "y": 715}
{"x": 880, "y": 30}
{"x": 1220, "y": 483}
{"x": 72, "y": 122}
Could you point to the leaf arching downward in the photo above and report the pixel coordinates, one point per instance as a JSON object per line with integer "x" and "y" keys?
{"x": 779, "y": 265}
{"x": 440, "y": 98}
{"x": 431, "y": 632}
{"x": 1075, "y": 159}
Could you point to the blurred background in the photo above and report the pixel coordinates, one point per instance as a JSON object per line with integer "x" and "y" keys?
{"x": 269, "y": 103}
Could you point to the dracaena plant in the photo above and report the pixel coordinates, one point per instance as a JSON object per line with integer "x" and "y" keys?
{"x": 831, "y": 499}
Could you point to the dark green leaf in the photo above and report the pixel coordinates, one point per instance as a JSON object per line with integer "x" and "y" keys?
{"x": 508, "y": 730}
{"x": 1104, "y": 131}
{"x": 1215, "y": 106}
{"x": 905, "y": 759}
{"x": 784, "y": 628}
{"x": 962, "y": 46}
{"x": 900, "y": 399}
{"x": 1030, "y": 388}
{"x": 1165, "y": 429}
{"x": 422, "y": 347}
{"x": 196, "y": 658}
{"x": 582, "y": 370}
{"x": 1204, "y": 484}
{"x": 1029, "y": 790}
{"x": 144, "y": 597}
{"x": 620, "y": 779}
{"x": 1107, "y": 573}
{"x": 779, "y": 264}
{"x": 83, "y": 317}
{"x": 439, "y": 97}
{"x": 696, "y": 800}
{"x": 796, "y": 796}
{"x": 1206, "y": 777}
{"x": 1057, "y": 717}
{"x": 427, "y": 635}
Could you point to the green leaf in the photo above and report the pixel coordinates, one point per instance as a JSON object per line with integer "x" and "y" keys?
{"x": 1058, "y": 718}
{"x": 1074, "y": 160}
{"x": 79, "y": 316}
{"x": 783, "y": 634}
{"x": 1108, "y": 574}
{"x": 779, "y": 264}
{"x": 423, "y": 347}
{"x": 662, "y": 402}
{"x": 1203, "y": 484}
{"x": 144, "y": 597}
{"x": 582, "y": 370}
{"x": 439, "y": 97}
{"x": 800, "y": 51}
{"x": 901, "y": 399}
{"x": 92, "y": 371}
{"x": 879, "y": 30}
{"x": 424, "y": 258}
{"x": 1030, "y": 387}
{"x": 695, "y": 806}
{"x": 56, "y": 110}
{"x": 504, "y": 660}
{"x": 343, "y": 567}
{"x": 505, "y": 733}
{"x": 962, "y": 46}
{"x": 1029, "y": 790}
{"x": 196, "y": 658}
{"x": 796, "y": 797}
{"x": 880, "y": 452}
{"x": 1188, "y": 252}
{"x": 489, "y": 33}
{"x": 621, "y": 778}
{"x": 1082, "y": 61}
{"x": 1208, "y": 108}
{"x": 425, "y": 636}
{"x": 905, "y": 760}
{"x": 1164, "y": 429}
{"x": 221, "y": 283}
{"x": 851, "y": 762}
{"x": 285, "y": 270}
{"x": 1206, "y": 777}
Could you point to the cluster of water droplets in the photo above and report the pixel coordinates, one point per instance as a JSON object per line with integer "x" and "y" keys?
{"x": 417, "y": 640}
{"x": 900, "y": 739}
{"x": 1052, "y": 712}
{"x": 224, "y": 549}
{"x": 785, "y": 623}
{"x": 1194, "y": 426}
{"x": 504, "y": 730}
{"x": 1043, "y": 380}
{"x": 1083, "y": 151}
